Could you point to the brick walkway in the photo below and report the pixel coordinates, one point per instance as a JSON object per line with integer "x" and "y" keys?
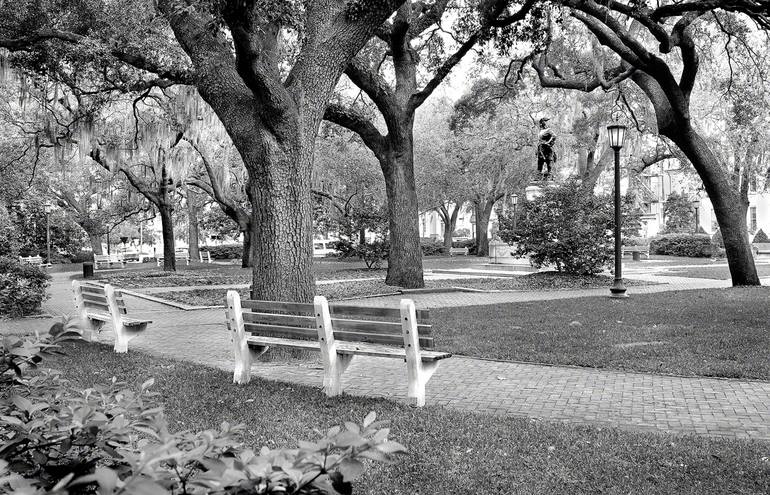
{"x": 726, "y": 408}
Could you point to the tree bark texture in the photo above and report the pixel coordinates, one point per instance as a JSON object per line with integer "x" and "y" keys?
{"x": 193, "y": 231}
{"x": 450, "y": 222}
{"x": 483, "y": 210}
{"x": 167, "y": 229}
{"x": 405, "y": 258}
{"x": 247, "y": 248}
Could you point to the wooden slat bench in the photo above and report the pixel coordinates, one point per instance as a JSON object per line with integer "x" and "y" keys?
{"x": 205, "y": 256}
{"x": 98, "y": 305}
{"x": 338, "y": 332}
{"x": 179, "y": 255}
{"x": 109, "y": 260}
{"x": 458, "y": 251}
{"x": 642, "y": 250}
{"x": 34, "y": 261}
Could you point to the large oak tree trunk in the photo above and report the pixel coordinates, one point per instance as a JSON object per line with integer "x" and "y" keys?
{"x": 405, "y": 258}
{"x": 483, "y": 212}
{"x": 729, "y": 208}
{"x": 96, "y": 243}
{"x": 167, "y": 230}
{"x": 282, "y": 231}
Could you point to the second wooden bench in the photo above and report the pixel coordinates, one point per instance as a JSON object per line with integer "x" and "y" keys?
{"x": 338, "y": 332}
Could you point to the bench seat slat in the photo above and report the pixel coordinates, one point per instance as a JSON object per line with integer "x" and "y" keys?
{"x": 381, "y": 327}
{"x": 346, "y": 309}
{"x": 376, "y": 338}
{"x": 281, "y": 331}
{"x": 386, "y": 351}
{"x": 284, "y": 320}
{"x": 93, "y": 289}
{"x": 133, "y": 322}
{"x": 99, "y": 316}
{"x": 272, "y": 306}
{"x": 279, "y": 342}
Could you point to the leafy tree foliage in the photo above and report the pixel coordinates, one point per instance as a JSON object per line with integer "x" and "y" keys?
{"x": 565, "y": 228}
{"x": 679, "y": 214}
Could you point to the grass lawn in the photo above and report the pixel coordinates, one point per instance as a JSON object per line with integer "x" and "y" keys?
{"x": 450, "y": 452}
{"x": 360, "y": 288}
{"x": 716, "y": 332}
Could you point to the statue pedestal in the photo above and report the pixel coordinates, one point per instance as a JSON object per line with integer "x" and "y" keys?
{"x": 500, "y": 253}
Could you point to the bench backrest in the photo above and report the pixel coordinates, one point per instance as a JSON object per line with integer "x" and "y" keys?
{"x": 94, "y": 298}
{"x": 350, "y": 323}
{"x": 32, "y": 260}
{"x": 181, "y": 253}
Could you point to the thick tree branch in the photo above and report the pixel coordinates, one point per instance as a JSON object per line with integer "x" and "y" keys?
{"x": 371, "y": 83}
{"x": 350, "y": 119}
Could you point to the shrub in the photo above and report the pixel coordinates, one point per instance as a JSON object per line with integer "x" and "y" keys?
{"x": 9, "y": 245}
{"x": 22, "y": 287}
{"x": 373, "y": 253}
{"x": 345, "y": 248}
{"x": 226, "y": 251}
{"x": 431, "y": 247}
{"x": 112, "y": 439}
{"x": 696, "y": 246}
{"x": 717, "y": 240}
{"x": 679, "y": 213}
{"x": 82, "y": 256}
{"x": 566, "y": 227}
{"x": 760, "y": 237}
{"x": 464, "y": 232}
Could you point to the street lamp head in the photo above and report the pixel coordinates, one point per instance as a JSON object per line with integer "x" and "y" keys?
{"x": 47, "y": 207}
{"x": 617, "y": 134}
{"x": 514, "y": 199}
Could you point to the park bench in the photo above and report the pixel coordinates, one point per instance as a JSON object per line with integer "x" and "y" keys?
{"x": 98, "y": 305}
{"x": 205, "y": 256}
{"x": 179, "y": 254}
{"x": 34, "y": 261}
{"x": 338, "y": 332}
{"x": 109, "y": 260}
{"x": 462, "y": 251}
{"x": 636, "y": 251}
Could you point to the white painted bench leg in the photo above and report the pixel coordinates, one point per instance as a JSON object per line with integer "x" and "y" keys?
{"x": 125, "y": 335}
{"x": 243, "y": 355}
{"x": 88, "y": 327}
{"x": 334, "y": 363}
{"x": 417, "y": 372}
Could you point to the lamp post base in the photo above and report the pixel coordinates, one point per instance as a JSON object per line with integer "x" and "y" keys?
{"x": 618, "y": 290}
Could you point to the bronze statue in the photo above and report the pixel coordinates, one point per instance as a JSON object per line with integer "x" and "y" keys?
{"x": 546, "y": 156}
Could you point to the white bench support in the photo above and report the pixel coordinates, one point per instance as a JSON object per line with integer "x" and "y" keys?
{"x": 334, "y": 363}
{"x": 418, "y": 372}
{"x": 125, "y": 331}
{"x": 244, "y": 354}
{"x": 89, "y": 325}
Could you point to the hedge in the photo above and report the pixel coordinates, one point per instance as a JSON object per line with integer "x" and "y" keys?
{"x": 22, "y": 287}
{"x": 225, "y": 251}
{"x": 696, "y": 246}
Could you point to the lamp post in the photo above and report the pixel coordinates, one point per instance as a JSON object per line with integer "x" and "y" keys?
{"x": 48, "y": 208}
{"x": 617, "y": 134}
{"x": 514, "y": 202}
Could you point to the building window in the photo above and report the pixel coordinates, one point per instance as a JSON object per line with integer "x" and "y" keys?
{"x": 753, "y": 219}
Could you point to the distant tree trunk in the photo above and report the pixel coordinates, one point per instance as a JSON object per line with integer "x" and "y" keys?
{"x": 193, "y": 230}
{"x": 247, "y": 248}
{"x": 405, "y": 258}
{"x": 483, "y": 210}
{"x": 362, "y": 236}
{"x": 450, "y": 222}
{"x": 167, "y": 232}
{"x": 96, "y": 243}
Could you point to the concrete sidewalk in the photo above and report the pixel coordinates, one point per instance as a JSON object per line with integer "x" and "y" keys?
{"x": 726, "y": 408}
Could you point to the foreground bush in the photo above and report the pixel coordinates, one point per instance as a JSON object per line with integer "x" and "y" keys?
{"x": 22, "y": 287}
{"x": 226, "y": 252}
{"x": 565, "y": 227}
{"x": 111, "y": 439}
{"x": 696, "y": 246}
{"x": 431, "y": 247}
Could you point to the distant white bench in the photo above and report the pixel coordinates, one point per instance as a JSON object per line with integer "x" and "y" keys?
{"x": 205, "y": 256}
{"x": 642, "y": 250}
{"x": 761, "y": 248}
{"x": 108, "y": 260}
{"x": 458, "y": 251}
{"x": 338, "y": 332}
{"x": 179, "y": 254}
{"x": 34, "y": 261}
{"x": 98, "y": 305}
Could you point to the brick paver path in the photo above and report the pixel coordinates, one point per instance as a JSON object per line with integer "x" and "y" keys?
{"x": 727, "y": 408}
